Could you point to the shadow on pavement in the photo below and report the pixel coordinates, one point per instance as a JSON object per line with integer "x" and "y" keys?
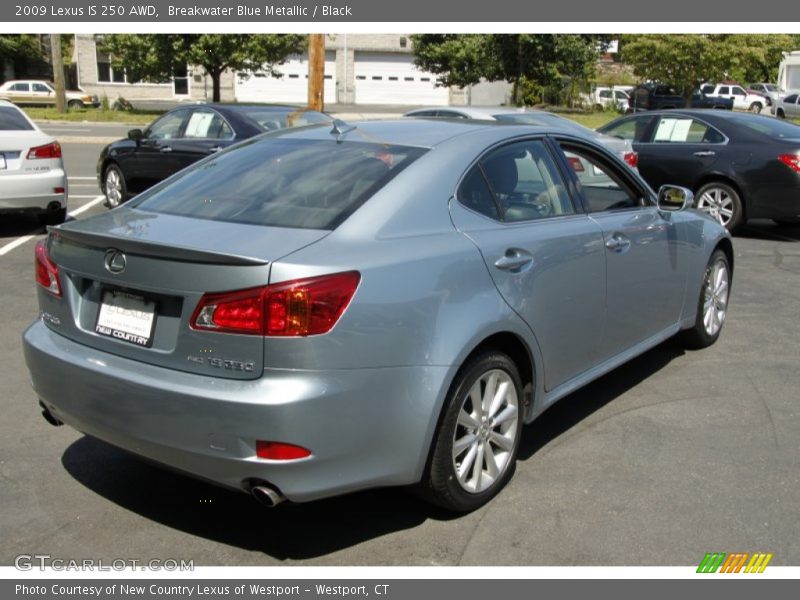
{"x": 765, "y": 229}
{"x": 303, "y": 531}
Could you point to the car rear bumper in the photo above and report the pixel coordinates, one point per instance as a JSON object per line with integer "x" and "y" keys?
{"x": 32, "y": 191}
{"x": 364, "y": 427}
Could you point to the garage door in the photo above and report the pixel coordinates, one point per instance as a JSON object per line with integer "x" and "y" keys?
{"x": 383, "y": 78}
{"x": 292, "y": 87}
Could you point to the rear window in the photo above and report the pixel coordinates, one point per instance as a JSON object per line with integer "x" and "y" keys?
{"x": 281, "y": 182}
{"x": 12, "y": 120}
{"x": 769, "y": 126}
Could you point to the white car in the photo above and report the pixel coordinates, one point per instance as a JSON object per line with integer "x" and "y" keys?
{"x": 622, "y": 148}
{"x": 604, "y": 97}
{"x": 32, "y": 176}
{"x": 742, "y": 99}
{"x": 788, "y": 106}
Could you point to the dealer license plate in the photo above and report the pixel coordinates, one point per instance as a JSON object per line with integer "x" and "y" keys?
{"x": 126, "y": 317}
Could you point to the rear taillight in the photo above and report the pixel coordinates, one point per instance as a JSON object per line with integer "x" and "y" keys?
{"x": 47, "y": 151}
{"x": 293, "y": 308}
{"x": 791, "y": 160}
{"x": 46, "y": 270}
{"x": 631, "y": 158}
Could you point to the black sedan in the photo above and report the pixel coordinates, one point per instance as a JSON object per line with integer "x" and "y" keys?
{"x": 740, "y": 166}
{"x": 183, "y": 136}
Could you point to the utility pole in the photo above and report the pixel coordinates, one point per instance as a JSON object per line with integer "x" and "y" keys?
{"x": 58, "y": 72}
{"x": 316, "y": 71}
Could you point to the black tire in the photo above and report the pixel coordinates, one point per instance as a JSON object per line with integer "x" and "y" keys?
{"x": 442, "y": 484}
{"x": 75, "y": 104}
{"x": 712, "y": 303}
{"x": 722, "y": 202}
{"x": 756, "y": 107}
{"x": 115, "y": 188}
{"x": 53, "y": 217}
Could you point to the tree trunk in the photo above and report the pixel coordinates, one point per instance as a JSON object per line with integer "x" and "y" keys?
{"x": 58, "y": 72}
{"x": 216, "y": 77}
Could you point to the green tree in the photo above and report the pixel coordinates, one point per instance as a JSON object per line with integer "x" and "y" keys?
{"x": 531, "y": 62}
{"x": 155, "y": 57}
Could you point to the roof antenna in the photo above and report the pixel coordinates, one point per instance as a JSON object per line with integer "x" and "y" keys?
{"x": 340, "y": 128}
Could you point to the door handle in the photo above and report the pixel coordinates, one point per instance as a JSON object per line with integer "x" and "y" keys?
{"x": 705, "y": 153}
{"x": 214, "y": 149}
{"x": 165, "y": 149}
{"x": 618, "y": 243}
{"x": 515, "y": 260}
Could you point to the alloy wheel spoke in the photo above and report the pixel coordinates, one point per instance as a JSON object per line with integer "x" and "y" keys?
{"x": 463, "y": 443}
{"x": 489, "y": 392}
{"x": 467, "y": 420}
{"x": 466, "y": 464}
{"x": 499, "y": 398}
{"x": 477, "y": 468}
{"x": 503, "y": 441}
{"x": 491, "y": 463}
{"x": 508, "y": 413}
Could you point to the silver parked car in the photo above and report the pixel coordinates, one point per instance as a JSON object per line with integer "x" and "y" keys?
{"x": 317, "y": 311}
{"x": 788, "y": 106}
{"x": 32, "y": 176}
{"x": 542, "y": 118}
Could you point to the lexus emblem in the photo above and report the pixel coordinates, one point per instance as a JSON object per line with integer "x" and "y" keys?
{"x": 115, "y": 261}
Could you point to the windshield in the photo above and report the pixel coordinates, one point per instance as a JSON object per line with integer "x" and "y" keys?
{"x": 543, "y": 119}
{"x": 269, "y": 118}
{"x": 282, "y": 182}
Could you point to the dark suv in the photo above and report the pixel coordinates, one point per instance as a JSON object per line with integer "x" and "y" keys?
{"x": 657, "y": 96}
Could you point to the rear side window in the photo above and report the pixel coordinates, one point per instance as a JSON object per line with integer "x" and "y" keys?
{"x": 12, "y": 120}
{"x": 633, "y": 129}
{"x": 271, "y": 119}
{"x": 280, "y": 182}
{"x": 775, "y": 128}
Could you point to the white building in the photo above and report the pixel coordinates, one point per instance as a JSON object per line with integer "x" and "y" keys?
{"x": 359, "y": 69}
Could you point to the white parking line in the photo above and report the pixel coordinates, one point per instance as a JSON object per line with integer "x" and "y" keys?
{"x": 26, "y": 238}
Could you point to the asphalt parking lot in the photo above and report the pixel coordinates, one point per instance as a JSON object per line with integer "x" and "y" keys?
{"x": 675, "y": 454}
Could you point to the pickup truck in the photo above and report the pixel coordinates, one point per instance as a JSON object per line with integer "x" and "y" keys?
{"x": 657, "y": 96}
{"x": 742, "y": 99}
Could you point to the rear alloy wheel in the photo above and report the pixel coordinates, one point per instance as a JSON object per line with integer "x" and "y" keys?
{"x": 722, "y": 202}
{"x": 476, "y": 445}
{"x": 712, "y": 306}
{"x": 756, "y": 107}
{"x": 114, "y": 186}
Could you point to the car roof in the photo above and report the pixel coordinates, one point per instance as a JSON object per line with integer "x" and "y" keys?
{"x": 426, "y": 133}
{"x": 474, "y": 112}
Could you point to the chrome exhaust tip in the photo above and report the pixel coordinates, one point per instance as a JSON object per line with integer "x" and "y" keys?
{"x": 267, "y": 495}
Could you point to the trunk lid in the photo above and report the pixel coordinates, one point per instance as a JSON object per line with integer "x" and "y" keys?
{"x": 162, "y": 264}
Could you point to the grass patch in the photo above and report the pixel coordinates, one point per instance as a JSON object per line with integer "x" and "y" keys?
{"x": 92, "y": 115}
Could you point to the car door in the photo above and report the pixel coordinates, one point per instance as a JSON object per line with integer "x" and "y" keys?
{"x": 645, "y": 252}
{"x": 739, "y": 97}
{"x": 792, "y": 105}
{"x": 545, "y": 257}
{"x": 42, "y": 94}
{"x": 152, "y": 160}
{"x": 205, "y": 133}
{"x": 675, "y": 149}
{"x": 19, "y": 92}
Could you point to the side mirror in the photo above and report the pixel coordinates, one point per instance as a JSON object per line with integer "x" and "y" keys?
{"x": 672, "y": 198}
{"x": 136, "y": 135}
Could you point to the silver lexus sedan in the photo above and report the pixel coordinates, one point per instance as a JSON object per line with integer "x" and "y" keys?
{"x": 318, "y": 311}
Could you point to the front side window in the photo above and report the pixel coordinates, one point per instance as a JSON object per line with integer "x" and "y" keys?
{"x": 603, "y": 186}
{"x": 518, "y": 182}
{"x": 167, "y": 127}
{"x": 282, "y": 182}
{"x": 40, "y": 87}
